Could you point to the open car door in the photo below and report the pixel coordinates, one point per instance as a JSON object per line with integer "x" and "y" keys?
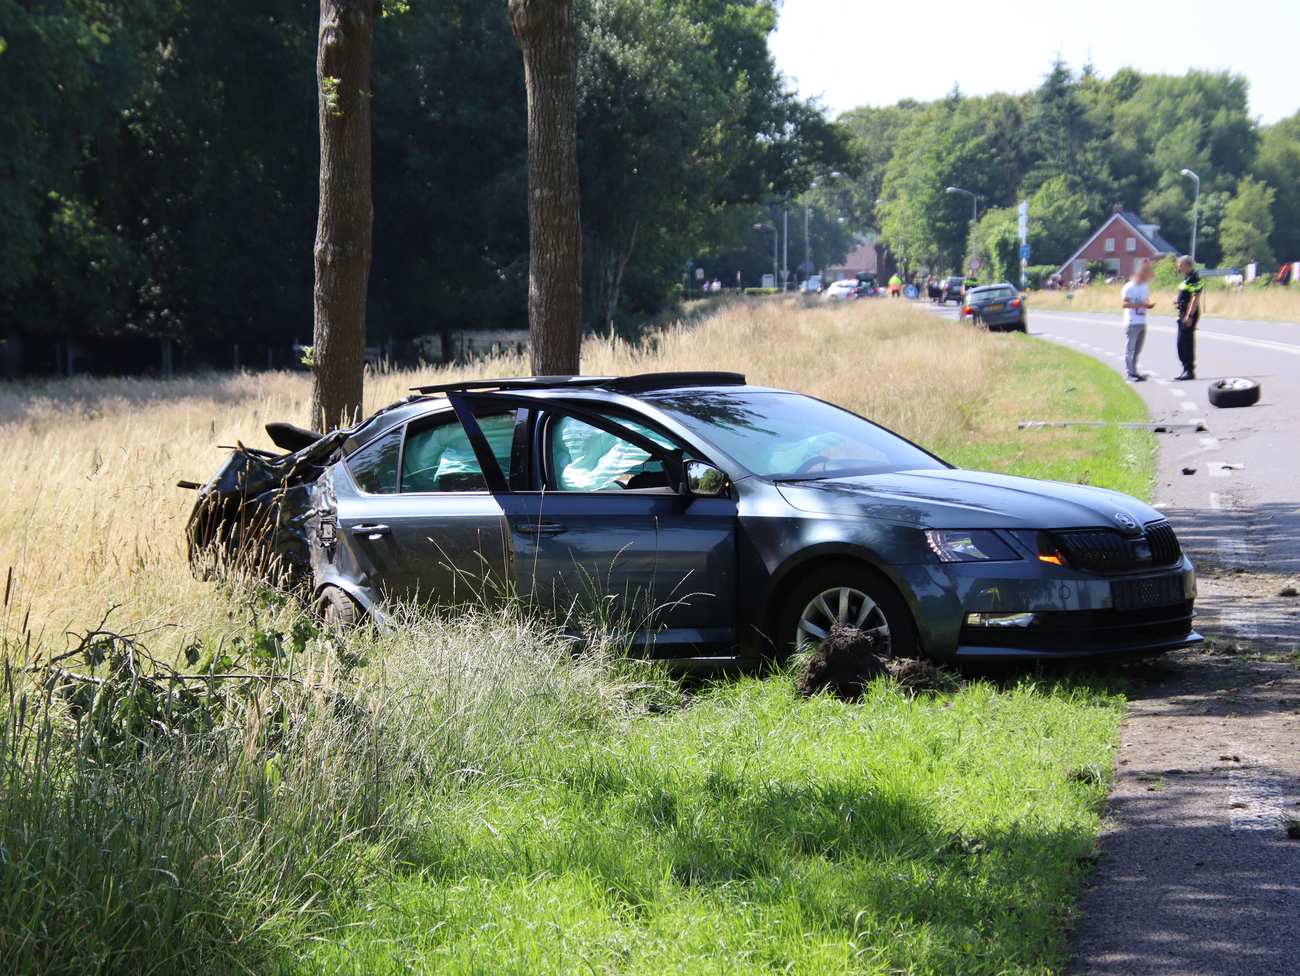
{"x": 602, "y": 532}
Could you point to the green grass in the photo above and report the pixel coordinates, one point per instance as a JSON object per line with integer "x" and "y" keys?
{"x": 755, "y": 831}
{"x": 1043, "y": 381}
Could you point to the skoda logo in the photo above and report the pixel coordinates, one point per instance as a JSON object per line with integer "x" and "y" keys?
{"x": 1125, "y": 521}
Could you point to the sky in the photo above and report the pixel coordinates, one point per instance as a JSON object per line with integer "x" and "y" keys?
{"x": 859, "y": 52}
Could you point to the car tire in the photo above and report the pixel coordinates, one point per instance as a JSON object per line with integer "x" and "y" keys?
{"x": 853, "y": 576}
{"x": 1235, "y": 391}
{"x": 338, "y": 609}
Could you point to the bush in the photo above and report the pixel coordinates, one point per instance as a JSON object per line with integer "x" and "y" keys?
{"x": 1037, "y": 275}
{"x": 762, "y": 291}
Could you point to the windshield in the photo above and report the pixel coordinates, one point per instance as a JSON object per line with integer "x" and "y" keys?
{"x": 993, "y": 294}
{"x": 786, "y": 436}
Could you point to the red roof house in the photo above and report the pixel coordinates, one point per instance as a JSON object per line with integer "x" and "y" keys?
{"x": 1119, "y": 243}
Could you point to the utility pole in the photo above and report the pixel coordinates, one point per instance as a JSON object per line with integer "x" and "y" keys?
{"x": 1196, "y": 209}
{"x": 974, "y": 221}
{"x": 785, "y": 247}
{"x": 776, "y": 242}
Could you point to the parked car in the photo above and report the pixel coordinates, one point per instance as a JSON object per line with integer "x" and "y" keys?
{"x": 996, "y": 307}
{"x": 841, "y": 290}
{"x": 951, "y": 289}
{"x": 720, "y": 522}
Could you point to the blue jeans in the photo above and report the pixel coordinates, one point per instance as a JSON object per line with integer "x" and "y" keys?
{"x": 1137, "y": 335}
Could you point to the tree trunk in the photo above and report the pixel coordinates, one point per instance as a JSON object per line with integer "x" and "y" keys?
{"x": 343, "y": 226}
{"x": 547, "y": 37}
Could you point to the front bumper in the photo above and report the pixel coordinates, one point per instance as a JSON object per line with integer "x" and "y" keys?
{"x": 1076, "y": 614}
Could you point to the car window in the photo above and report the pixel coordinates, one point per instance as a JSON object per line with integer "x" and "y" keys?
{"x": 789, "y": 436}
{"x": 585, "y": 458}
{"x": 375, "y": 466}
{"x": 996, "y": 294}
{"x": 441, "y": 458}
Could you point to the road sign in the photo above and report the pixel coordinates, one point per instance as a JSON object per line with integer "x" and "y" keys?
{"x": 699, "y": 274}
{"x": 974, "y": 264}
{"x": 1024, "y": 253}
{"x": 1022, "y": 220}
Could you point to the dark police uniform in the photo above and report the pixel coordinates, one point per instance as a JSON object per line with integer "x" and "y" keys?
{"x": 1190, "y": 287}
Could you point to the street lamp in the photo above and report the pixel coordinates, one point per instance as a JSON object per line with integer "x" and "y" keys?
{"x": 974, "y": 217}
{"x": 776, "y": 240}
{"x": 1196, "y": 208}
{"x": 807, "y": 241}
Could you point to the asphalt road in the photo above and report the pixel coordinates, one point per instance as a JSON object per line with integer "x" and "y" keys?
{"x": 1196, "y": 873}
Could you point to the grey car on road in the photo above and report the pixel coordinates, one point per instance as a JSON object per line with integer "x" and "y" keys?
{"x": 718, "y": 521}
{"x": 997, "y": 307}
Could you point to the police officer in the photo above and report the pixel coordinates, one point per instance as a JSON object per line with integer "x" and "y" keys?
{"x": 1188, "y": 304}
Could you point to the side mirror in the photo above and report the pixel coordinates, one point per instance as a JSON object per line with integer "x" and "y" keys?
{"x": 703, "y": 480}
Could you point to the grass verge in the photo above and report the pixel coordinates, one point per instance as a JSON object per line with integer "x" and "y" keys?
{"x": 755, "y": 831}
{"x": 1279, "y": 304}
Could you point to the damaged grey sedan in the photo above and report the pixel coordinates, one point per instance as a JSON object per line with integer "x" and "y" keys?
{"x": 713, "y": 521}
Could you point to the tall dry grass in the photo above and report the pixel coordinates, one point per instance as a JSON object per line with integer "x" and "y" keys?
{"x": 1273, "y": 304}
{"x": 90, "y": 515}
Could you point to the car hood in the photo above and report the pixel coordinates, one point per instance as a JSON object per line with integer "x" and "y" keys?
{"x": 956, "y": 499}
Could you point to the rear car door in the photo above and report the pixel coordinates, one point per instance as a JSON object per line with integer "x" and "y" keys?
{"x": 599, "y": 527}
{"x": 417, "y": 521}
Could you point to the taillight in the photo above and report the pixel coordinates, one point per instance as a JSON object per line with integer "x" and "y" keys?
{"x": 1015, "y": 303}
{"x": 968, "y": 311}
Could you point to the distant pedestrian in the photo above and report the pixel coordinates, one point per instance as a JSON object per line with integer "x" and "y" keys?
{"x": 1136, "y": 298}
{"x": 1188, "y": 304}
{"x": 895, "y": 285}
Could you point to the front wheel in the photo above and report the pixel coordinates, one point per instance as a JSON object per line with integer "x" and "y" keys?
{"x": 844, "y": 594}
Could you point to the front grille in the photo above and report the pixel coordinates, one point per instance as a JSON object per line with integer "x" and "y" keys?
{"x": 1107, "y": 551}
{"x": 1088, "y": 630}
{"x": 1165, "y": 550}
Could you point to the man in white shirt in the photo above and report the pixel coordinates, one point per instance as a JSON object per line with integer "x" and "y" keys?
{"x": 1137, "y": 299}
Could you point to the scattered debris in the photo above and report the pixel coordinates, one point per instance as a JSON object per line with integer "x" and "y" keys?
{"x": 1230, "y": 758}
{"x": 1157, "y": 427}
{"x": 1189, "y": 471}
{"x": 1288, "y": 591}
{"x": 913, "y": 675}
{"x": 1292, "y": 827}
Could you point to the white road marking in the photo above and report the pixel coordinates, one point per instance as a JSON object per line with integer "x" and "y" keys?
{"x": 1163, "y": 382}
{"x": 1177, "y": 392}
{"x": 1222, "y": 469}
{"x": 1188, "y": 405}
{"x": 1288, "y": 347}
{"x": 1209, "y": 443}
{"x": 1254, "y": 797}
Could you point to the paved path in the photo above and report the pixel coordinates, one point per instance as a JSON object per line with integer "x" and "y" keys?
{"x": 1196, "y": 874}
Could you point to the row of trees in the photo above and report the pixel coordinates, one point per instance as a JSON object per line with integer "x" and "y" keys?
{"x": 1073, "y": 148}
{"x": 159, "y": 160}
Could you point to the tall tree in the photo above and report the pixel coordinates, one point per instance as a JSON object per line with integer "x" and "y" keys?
{"x": 343, "y": 225}
{"x": 546, "y": 32}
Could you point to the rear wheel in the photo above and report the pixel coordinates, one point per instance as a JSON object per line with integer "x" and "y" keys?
{"x": 843, "y": 593}
{"x": 1235, "y": 391}
{"x": 338, "y": 609}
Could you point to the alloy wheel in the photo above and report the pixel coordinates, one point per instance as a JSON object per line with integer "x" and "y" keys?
{"x": 839, "y": 605}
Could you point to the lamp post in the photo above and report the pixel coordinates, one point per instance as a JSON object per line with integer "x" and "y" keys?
{"x": 776, "y": 240}
{"x": 974, "y": 217}
{"x": 1196, "y": 209}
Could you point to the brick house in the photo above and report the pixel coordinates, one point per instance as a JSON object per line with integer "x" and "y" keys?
{"x": 863, "y": 259}
{"x": 1119, "y": 243}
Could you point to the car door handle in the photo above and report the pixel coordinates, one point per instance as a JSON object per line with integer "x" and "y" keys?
{"x": 542, "y": 528}
{"x": 371, "y": 530}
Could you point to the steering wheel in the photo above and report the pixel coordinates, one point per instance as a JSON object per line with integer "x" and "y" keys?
{"x": 812, "y": 462}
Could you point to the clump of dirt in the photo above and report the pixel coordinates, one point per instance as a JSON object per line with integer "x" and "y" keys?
{"x": 915, "y": 674}
{"x": 848, "y": 659}
{"x": 844, "y": 663}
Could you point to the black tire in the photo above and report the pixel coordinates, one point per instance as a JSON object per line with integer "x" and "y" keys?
{"x": 902, "y": 628}
{"x": 1235, "y": 391}
{"x": 338, "y": 609}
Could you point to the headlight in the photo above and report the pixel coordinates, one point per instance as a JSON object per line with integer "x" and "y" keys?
{"x": 958, "y": 546}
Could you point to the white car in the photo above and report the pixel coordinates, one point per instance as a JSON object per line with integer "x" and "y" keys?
{"x": 841, "y": 291}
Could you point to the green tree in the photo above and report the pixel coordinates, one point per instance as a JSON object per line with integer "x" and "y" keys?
{"x": 1247, "y": 225}
{"x": 1278, "y": 166}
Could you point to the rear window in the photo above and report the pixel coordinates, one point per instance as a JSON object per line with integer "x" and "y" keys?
{"x": 994, "y": 294}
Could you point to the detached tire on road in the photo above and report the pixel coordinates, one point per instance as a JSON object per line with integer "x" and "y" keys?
{"x": 1235, "y": 391}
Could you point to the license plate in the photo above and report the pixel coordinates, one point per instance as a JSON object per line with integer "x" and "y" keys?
{"x": 993, "y": 308}
{"x": 1156, "y": 591}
